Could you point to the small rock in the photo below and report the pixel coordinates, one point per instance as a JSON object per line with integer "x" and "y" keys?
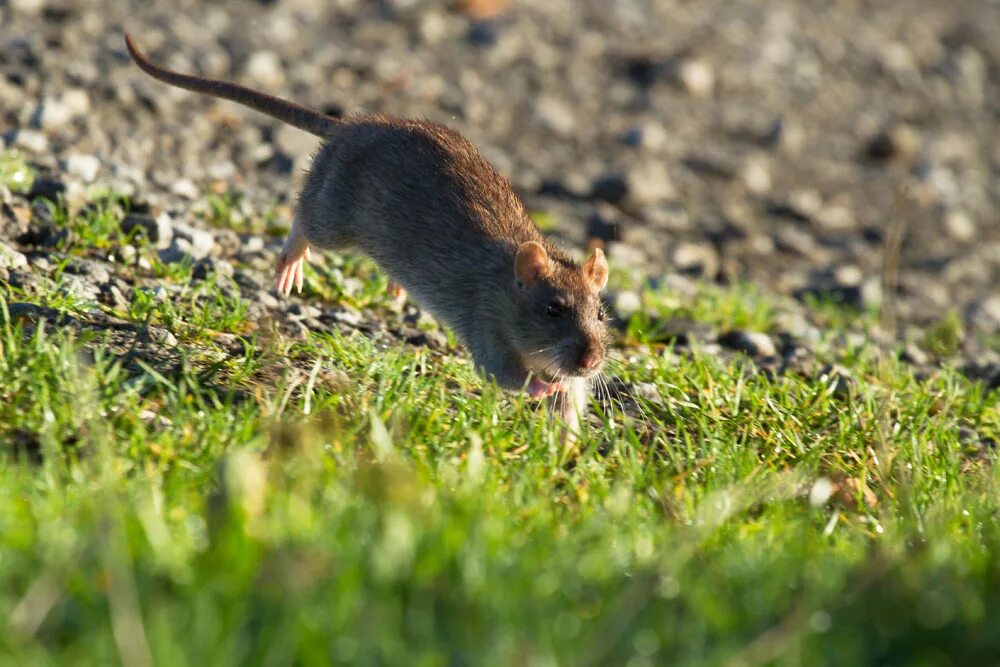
{"x": 31, "y": 7}
{"x": 647, "y": 135}
{"x": 186, "y": 188}
{"x": 125, "y": 254}
{"x": 161, "y": 336}
{"x": 112, "y": 296}
{"x": 795, "y": 324}
{"x": 484, "y": 32}
{"x": 89, "y": 269}
{"x": 897, "y": 143}
{"x": 959, "y": 225}
{"x": 685, "y": 332}
{"x": 158, "y": 230}
{"x": 696, "y": 259}
{"x": 78, "y": 287}
{"x": 649, "y": 183}
{"x": 756, "y": 176}
{"x": 632, "y": 137}
{"x": 266, "y": 299}
{"x": 348, "y": 317}
{"x": 56, "y": 112}
{"x": 984, "y": 314}
{"x": 555, "y": 114}
{"x": 264, "y": 69}
{"x": 201, "y": 239}
{"x": 46, "y": 188}
{"x": 602, "y": 227}
{"x": 697, "y": 77}
{"x": 753, "y": 343}
{"x": 624, "y": 304}
{"x": 611, "y": 188}
{"x": 179, "y": 249}
{"x": 83, "y": 166}
{"x": 301, "y": 311}
{"x": 11, "y": 259}
{"x": 912, "y": 354}
{"x": 209, "y": 266}
{"x": 31, "y": 141}
{"x": 839, "y": 378}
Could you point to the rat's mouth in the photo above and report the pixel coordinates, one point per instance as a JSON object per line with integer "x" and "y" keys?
{"x": 553, "y": 372}
{"x": 558, "y": 366}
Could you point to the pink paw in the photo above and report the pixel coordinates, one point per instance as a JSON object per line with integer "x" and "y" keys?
{"x": 290, "y": 271}
{"x": 542, "y": 389}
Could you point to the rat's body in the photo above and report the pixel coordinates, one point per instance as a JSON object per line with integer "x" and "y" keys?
{"x": 439, "y": 220}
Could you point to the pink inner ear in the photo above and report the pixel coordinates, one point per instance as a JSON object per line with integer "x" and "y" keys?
{"x": 596, "y": 269}
{"x": 531, "y": 263}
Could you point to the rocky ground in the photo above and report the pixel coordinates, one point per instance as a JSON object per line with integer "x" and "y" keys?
{"x": 839, "y": 153}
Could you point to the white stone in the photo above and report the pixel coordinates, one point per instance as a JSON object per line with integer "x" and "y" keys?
{"x": 11, "y": 259}
{"x": 83, "y": 166}
{"x": 264, "y": 69}
{"x": 697, "y": 77}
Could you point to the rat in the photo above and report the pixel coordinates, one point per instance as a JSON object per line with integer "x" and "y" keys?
{"x": 427, "y": 207}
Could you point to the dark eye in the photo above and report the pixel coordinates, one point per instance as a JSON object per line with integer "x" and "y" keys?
{"x": 555, "y": 309}
{"x": 600, "y": 314}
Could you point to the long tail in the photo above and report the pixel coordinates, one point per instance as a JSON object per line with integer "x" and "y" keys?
{"x": 301, "y": 117}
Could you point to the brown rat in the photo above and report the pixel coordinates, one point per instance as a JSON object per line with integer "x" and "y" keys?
{"x": 439, "y": 220}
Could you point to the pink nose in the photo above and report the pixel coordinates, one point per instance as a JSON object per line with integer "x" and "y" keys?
{"x": 590, "y": 359}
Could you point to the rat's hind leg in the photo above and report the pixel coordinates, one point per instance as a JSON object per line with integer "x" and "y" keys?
{"x": 291, "y": 262}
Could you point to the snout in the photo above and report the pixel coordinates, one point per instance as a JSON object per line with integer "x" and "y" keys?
{"x": 590, "y": 358}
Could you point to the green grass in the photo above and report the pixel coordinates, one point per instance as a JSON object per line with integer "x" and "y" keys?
{"x": 330, "y": 501}
{"x": 15, "y": 172}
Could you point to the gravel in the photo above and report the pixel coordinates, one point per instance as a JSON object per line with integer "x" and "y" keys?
{"x": 817, "y": 150}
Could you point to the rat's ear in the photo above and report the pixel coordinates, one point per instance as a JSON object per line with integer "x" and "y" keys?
{"x": 531, "y": 263}
{"x": 596, "y": 270}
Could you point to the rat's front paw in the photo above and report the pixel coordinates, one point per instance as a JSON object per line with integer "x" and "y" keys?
{"x": 290, "y": 270}
{"x": 542, "y": 389}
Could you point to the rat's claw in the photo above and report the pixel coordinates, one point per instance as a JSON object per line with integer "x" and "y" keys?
{"x": 300, "y": 268}
{"x": 291, "y": 271}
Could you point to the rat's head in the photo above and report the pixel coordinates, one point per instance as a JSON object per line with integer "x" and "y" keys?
{"x": 557, "y": 324}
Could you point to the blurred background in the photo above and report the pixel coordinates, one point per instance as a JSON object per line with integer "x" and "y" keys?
{"x": 842, "y": 152}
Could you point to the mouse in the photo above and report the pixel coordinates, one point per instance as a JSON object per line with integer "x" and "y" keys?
{"x": 421, "y": 201}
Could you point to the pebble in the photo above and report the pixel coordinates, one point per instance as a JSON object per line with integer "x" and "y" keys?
{"x": 756, "y": 176}
{"x": 56, "y": 112}
{"x": 984, "y": 314}
{"x": 161, "y": 336}
{"x": 555, "y": 114}
{"x": 264, "y": 70}
{"x": 753, "y": 343}
{"x": 11, "y": 259}
{"x": 649, "y": 183}
{"x": 349, "y": 317}
{"x": 896, "y": 143}
{"x": 201, "y": 239}
{"x": 611, "y": 187}
{"x": 697, "y": 77}
{"x": 602, "y": 225}
{"x": 209, "y": 266}
{"x": 301, "y": 311}
{"x": 959, "y": 225}
{"x": 111, "y": 295}
{"x": 46, "y": 188}
{"x": 700, "y": 260}
{"x": 158, "y": 230}
{"x": 87, "y": 268}
{"x": 83, "y": 166}
{"x": 31, "y": 141}
{"x": 625, "y": 303}
{"x": 185, "y": 187}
